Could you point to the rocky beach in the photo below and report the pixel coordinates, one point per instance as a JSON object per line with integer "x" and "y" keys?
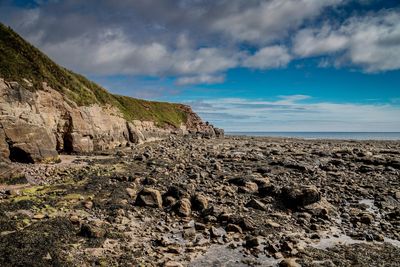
{"x": 193, "y": 201}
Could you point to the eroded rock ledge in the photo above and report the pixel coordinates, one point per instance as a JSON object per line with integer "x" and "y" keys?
{"x": 36, "y": 125}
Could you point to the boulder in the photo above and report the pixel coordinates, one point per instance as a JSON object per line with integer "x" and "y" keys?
{"x": 300, "y": 196}
{"x": 184, "y": 207}
{"x": 234, "y": 228}
{"x": 289, "y": 263}
{"x": 219, "y": 132}
{"x": 199, "y": 202}
{"x": 29, "y": 143}
{"x": 255, "y": 204}
{"x": 252, "y": 241}
{"x": 149, "y": 197}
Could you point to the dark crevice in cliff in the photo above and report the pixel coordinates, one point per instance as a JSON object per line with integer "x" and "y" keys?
{"x": 19, "y": 155}
{"x": 68, "y": 148}
{"x": 67, "y": 139}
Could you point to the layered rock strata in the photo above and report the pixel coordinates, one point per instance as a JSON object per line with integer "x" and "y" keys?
{"x": 37, "y": 124}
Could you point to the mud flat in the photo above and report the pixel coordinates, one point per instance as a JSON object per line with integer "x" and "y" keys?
{"x": 237, "y": 201}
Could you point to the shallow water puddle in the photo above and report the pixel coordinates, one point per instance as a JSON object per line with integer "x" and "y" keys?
{"x": 222, "y": 255}
{"x": 335, "y": 238}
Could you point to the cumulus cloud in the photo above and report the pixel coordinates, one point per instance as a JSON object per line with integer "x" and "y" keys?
{"x": 113, "y": 53}
{"x": 313, "y": 42}
{"x": 269, "y": 21}
{"x": 198, "y": 41}
{"x": 294, "y": 113}
{"x": 268, "y": 57}
{"x": 371, "y": 42}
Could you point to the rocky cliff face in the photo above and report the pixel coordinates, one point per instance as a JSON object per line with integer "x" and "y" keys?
{"x": 37, "y": 124}
{"x": 46, "y": 109}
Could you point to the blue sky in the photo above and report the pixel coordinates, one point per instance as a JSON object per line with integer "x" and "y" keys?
{"x": 262, "y": 65}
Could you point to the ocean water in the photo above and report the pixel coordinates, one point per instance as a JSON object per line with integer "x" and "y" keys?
{"x": 325, "y": 135}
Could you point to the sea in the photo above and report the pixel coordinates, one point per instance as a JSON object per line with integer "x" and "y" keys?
{"x": 325, "y": 135}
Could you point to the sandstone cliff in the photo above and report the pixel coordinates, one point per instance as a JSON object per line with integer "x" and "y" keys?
{"x": 46, "y": 109}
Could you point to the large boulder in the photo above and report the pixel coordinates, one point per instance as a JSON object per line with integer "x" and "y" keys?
{"x": 29, "y": 143}
{"x": 149, "y": 197}
{"x": 300, "y": 196}
{"x": 219, "y": 132}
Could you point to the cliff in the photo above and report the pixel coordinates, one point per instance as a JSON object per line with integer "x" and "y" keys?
{"x": 46, "y": 109}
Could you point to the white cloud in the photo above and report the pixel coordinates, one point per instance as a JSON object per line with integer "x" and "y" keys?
{"x": 114, "y": 53}
{"x": 313, "y": 42}
{"x": 198, "y": 41}
{"x": 270, "y": 20}
{"x": 203, "y": 60}
{"x": 292, "y": 113}
{"x": 268, "y": 57}
{"x": 371, "y": 42}
{"x": 200, "y": 79}
{"x": 375, "y": 41}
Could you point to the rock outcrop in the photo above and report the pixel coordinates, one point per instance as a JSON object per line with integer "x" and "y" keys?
{"x": 37, "y": 124}
{"x": 45, "y": 109}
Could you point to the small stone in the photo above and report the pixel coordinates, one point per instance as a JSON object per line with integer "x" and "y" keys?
{"x": 184, "y": 207}
{"x": 172, "y": 264}
{"x": 287, "y": 246}
{"x": 271, "y": 248}
{"x": 379, "y": 237}
{"x": 74, "y": 219}
{"x": 252, "y": 241}
{"x": 397, "y": 195}
{"x": 315, "y": 236}
{"x": 366, "y": 218}
{"x": 249, "y": 187}
{"x": 199, "y": 226}
{"x": 88, "y": 204}
{"x": 289, "y": 263}
{"x": 39, "y": 216}
{"x": 278, "y": 255}
{"x": 131, "y": 193}
{"x": 47, "y": 257}
{"x": 199, "y": 202}
{"x": 169, "y": 201}
{"x": 175, "y": 249}
{"x": 217, "y": 232}
{"x": 255, "y": 204}
{"x": 272, "y": 224}
{"x": 233, "y": 228}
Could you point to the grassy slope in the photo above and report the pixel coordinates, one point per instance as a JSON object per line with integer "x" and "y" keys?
{"x": 19, "y": 60}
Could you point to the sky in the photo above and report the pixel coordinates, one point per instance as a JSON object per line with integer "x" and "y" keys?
{"x": 259, "y": 65}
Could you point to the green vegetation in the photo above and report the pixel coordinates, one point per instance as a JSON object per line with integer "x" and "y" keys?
{"x": 20, "y": 60}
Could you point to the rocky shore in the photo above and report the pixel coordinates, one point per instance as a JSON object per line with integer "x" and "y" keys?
{"x": 187, "y": 201}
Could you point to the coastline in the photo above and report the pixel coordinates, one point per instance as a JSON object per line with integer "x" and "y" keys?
{"x": 378, "y": 136}
{"x": 243, "y": 201}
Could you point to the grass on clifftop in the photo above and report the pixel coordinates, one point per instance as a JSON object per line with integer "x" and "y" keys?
{"x": 20, "y": 60}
